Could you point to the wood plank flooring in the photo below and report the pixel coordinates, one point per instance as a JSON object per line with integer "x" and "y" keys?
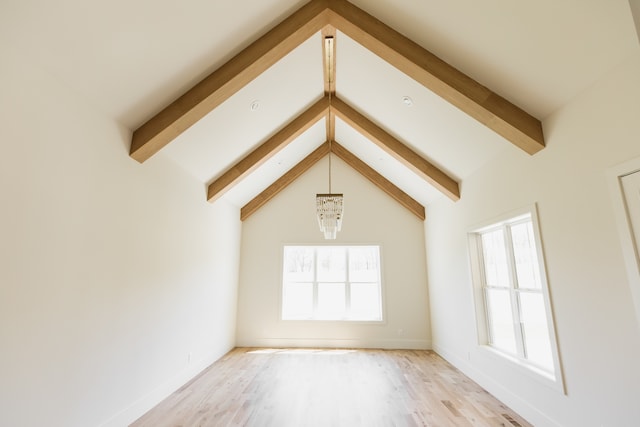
{"x": 350, "y": 388}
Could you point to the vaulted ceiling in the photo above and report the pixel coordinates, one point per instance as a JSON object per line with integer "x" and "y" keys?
{"x": 252, "y": 101}
{"x": 330, "y": 18}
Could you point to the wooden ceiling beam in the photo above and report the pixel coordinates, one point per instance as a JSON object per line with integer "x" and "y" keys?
{"x": 495, "y": 112}
{"x": 206, "y": 95}
{"x": 268, "y": 149}
{"x": 329, "y": 73}
{"x": 489, "y": 108}
{"x": 378, "y": 180}
{"x": 350, "y": 159}
{"x": 329, "y": 59}
{"x": 429, "y": 172}
{"x": 284, "y": 181}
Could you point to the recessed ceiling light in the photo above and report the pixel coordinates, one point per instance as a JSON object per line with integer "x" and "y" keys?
{"x": 255, "y": 105}
{"x": 406, "y": 100}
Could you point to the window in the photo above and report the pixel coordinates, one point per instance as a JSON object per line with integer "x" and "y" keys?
{"x": 512, "y": 302}
{"x": 331, "y": 283}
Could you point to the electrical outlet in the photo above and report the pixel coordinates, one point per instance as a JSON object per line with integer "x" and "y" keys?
{"x": 189, "y": 357}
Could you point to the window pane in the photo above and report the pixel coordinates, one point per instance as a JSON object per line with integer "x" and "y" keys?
{"x": 297, "y": 301}
{"x": 331, "y": 301}
{"x": 298, "y": 264}
{"x": 332, "y": 264}
{"x": 363, "y": 264}
{"x": 365, "y": 301}
{"x": 495, "y": 259}
{"x": 535, "y": 330}
{"x": 501, "y": 320}
{"x": 317, "y": 285}
{"x": 526, "y": 257}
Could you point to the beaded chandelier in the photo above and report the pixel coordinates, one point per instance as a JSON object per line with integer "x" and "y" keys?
{"x": 329, "y": 209}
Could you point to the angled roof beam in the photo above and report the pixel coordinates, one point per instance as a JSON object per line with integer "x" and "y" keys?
{"x": 471, "y": 97}
{"x": 350, "y": 159}
{"x": 381, "y": 182}
{"x": 282, "y": 182}
{"x": 495, "y": 112}
{"x": 268, "y": 149}
{"x": 397, "y": 149}
{"x": 165, "y": 126}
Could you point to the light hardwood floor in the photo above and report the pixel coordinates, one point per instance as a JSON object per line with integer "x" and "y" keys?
{"x": 303, "y": 387}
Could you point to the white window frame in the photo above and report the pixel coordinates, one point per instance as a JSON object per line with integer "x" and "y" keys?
{"x": 518, "y": 361}
{"x": 625, "y": 229}
{"x": 347, "y": 285}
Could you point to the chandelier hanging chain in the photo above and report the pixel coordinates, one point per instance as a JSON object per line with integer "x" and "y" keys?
{"x": 330, "y": 78}
{"x": 329, "y": 166}
{"x": 329, "y": 52}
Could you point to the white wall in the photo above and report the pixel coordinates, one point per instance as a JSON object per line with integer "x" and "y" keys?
{"x": 599, "y": 339}
{"x": 111, "y": 272}
{"x": 371, "y": 216}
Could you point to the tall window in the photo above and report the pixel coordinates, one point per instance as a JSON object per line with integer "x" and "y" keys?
{"x": 331, "y": 283}
{"x": 514, "y": 313}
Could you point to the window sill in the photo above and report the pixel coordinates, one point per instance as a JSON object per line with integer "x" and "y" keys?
{"x": 337, "y": 321}
{"x": 545, "y": 378}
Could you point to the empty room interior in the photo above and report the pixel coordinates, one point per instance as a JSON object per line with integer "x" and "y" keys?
{"x": 191, "y": 184}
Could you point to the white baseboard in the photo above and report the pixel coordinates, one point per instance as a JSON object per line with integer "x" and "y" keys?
{"x": 523, "y": 408}
{"x": 406, "y": 344}
{"x": 151, "y": 399}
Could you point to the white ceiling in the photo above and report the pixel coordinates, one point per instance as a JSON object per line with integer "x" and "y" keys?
{"x": 130, "y": 58}
{"x": 232, "y": 130}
